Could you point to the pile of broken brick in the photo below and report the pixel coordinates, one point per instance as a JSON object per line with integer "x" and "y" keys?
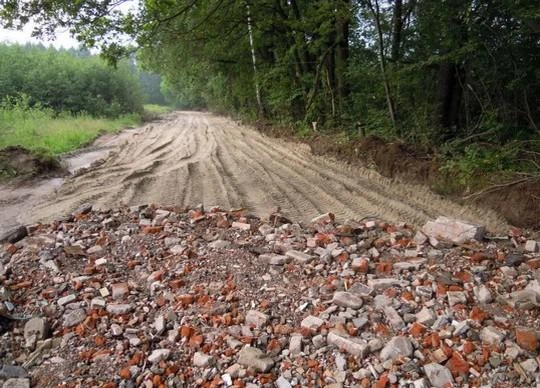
{"x": 165, "y": 297}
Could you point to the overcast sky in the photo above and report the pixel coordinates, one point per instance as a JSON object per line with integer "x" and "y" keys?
{"x": 62, "y": 39}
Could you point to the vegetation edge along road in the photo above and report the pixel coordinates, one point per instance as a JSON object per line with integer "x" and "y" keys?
{"x": 38, "y": 138}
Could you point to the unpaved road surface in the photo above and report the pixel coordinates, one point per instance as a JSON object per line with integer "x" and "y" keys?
{"x": 189, "y": 158}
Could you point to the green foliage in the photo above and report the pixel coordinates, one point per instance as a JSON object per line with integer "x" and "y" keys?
{"x": 458, "y": 76}
{"x": 38, "y": 128}
{"x": 65, "y": 82}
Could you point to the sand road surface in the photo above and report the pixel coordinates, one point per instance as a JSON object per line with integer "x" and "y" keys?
{"x": 189, "y": 158}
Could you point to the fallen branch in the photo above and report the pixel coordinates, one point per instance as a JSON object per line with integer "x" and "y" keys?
{"x": 493, "y": 188}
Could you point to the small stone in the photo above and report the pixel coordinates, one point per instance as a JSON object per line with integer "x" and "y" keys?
{"x": 66, "y": 299}
{"x": 101, "y": 261}
{"x": 159, "y": 354}
{"x": 393, "y": 318}
{"x": 74, "y": 317}
{"x": 383, "y": 283}
{"x": 460, "y": 328}
{"x": 37, "y": 327}
{"x": 426, "y": 316}
{"x": 119, "y": 309}
{"x": 17, "y": 383}
{"x": 159, "y": 324}
{"x": 104, "y": 292}
{"x": 295, "y": 345}
{"x": 97, "y": 303}
{"x": 483, "y": 294}
{"x": 312, "y": 322}
{"x": 326, "y": 218}
{"x": 360, "y": 264}
{"x": 96, "y": 250}
{"x": 282, "y": 382}
{"x": 350, "y": 344}
{"x": 256, "y": 319}
{"x": 530, "y": 366}
{"x": 12, "y": 371}
{"x": 420, "y": 383}
{"x": 456, "y": 297}
{"x": 14, "y": 235}
{"x": 274, "y": 259}
{"x": 242, "y": 226}
{"x": 420, "y": 238}
{"x": 453, "y": 230}
{"x": 219, "y": 244}
{"x": 116, "y": 330}
{"x": 438, "y": 375}
{"x": 318, "y": 341}
{"x": 347, "y": 299}
{"x": 509, "y": 272}
{"x": 202, "y": 360}
{"x": 299, "y": 257}
{"x": 492, "y": 335}
{"x": 397, "y": 347}
{"x": 254, "y": 358}
{"x": 531, "y": 246}
{"x": 119, "y": 290}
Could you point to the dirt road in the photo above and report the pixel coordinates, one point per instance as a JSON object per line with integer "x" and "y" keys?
{"x": 190, "y": 158}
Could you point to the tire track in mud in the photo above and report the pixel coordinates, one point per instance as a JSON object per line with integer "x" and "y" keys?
{"x": 191, "y": 157}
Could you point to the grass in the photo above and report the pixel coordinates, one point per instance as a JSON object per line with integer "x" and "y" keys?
{"x": 40, "y": 130}
{"x": 157, "y": 109}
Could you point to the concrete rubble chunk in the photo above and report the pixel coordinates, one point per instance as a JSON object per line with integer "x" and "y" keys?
{"x": 456, "y": 297}
{"x": 453, "y": 230}
{"x": 66, "y": 299}
{"x": 532, "y": 246}
{"x": 492, "y": 335}
{"x": 12, "y": 371}
{"x": 351, "y": 345}
{"x": 282, "y": 382}
{"x": 347, "y": 299}
{"x": 14, "y": 235}
{"x": 426, "y": 316}
{"x": 159, "y": 354}
{"x": 312, "y": 322}
{"x": 242, "y": 226}
{"x": 483, "y": 294}
{"x": 256, "y": 319}
{"x": 119, "y": 309}
{"x": 17, "y": 383}
{"x": 439, "y": 376}
{"x": 274, "y": 259}
{"x": 410, "y": 265}
{"x": 37, "y": 327}
{"x": 399, "y": 346}
{"x": 326, "y": 218}
{"x": 202, "y": 360}
{"x": 383, "y": 283}
{"x": 254, "y": 358}
{"x": 299, "y": 257}
{"x": 393, "y": 318}
{"x": 295, "y": 345}
{"x": 74, "y": 317}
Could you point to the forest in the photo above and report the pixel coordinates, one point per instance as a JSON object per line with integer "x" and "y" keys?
{"x": 53, "y": 101}
{"x": 459, "y": 79}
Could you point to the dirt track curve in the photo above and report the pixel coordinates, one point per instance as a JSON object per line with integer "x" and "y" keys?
{"x": 189, "y": 158}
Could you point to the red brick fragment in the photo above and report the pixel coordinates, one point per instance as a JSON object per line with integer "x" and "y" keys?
{"x": 527, "y": 339}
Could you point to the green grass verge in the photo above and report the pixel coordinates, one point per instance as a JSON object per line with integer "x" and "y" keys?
{"x": 157, "y": 109}
{"x": 41, "y": 130}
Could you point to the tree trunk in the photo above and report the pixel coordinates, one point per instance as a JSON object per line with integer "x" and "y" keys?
{"x": 449, "y": 94}
{"x": 374, "y": 8}
{"x": 397, "y": 28}
{"x": 342, "y": 56}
